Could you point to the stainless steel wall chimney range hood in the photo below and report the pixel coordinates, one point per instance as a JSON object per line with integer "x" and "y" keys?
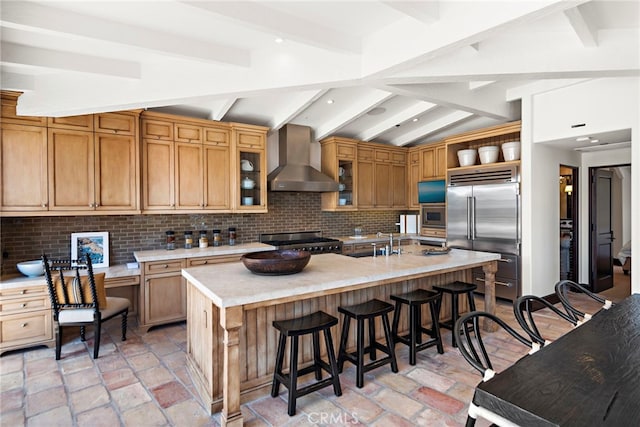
{"x": 294, "y": 172}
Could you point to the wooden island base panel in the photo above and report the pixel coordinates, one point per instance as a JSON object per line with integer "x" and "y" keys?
{"x": 232, "y": 345}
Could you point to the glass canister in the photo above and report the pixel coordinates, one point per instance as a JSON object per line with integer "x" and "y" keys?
{"x": 188, "y": 239}
{"x": 204, "y": 240}
{"x": 232, "y": 236}
{"x": 171, "y": 240}
{"x": 217, "y": 238}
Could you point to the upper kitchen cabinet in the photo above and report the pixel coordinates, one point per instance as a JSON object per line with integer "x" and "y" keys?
{"x": 185, "y": 164}
{"x": 433, "y": 161}
{"x": 249, "y": 168}
{"x": 370, "y": 175}
{"x": 414, "y": 176}
{"x": 92, "y": 171}
{"x": 69, "y": 165}
{"x": 23, "y": 162}
{"x": 495, "y": 135}
{"x": 338, "y": 161}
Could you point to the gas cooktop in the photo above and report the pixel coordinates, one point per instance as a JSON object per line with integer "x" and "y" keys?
{"x": 311, "y": 241}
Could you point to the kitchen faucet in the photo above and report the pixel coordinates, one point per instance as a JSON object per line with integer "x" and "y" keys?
{"x": 391, "y": 251}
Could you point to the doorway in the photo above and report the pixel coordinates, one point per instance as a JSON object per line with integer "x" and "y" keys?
{"x": 568, "y": 223}
{"x": 609, "y": 222}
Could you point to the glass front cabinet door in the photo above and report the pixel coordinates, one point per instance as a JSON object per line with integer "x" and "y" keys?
{"x": 251, "y": 175}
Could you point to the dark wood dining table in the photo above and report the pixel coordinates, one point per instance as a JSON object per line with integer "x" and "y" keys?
{"x": 588, "y": 377}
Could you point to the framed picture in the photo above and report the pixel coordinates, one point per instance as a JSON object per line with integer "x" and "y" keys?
{"x": 96, "y": 244}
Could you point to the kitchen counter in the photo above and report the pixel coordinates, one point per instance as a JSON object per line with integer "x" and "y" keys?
{"x": 325, "y": 274}
{"x": 17, "y": 280}
{"x": 165, "y": 255}
{"x": 373, "y": 238}
{"x": 231, "y": 342}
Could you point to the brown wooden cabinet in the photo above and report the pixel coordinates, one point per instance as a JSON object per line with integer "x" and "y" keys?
{"x": 495, "y": 135}
{"x": 163, "y": 297}
{"x": 339, "y": 160}
{"x": 70, "y": 166}
{"x": 380, "y": 174}
{"x": 25, "y": 318}
{"x": 23, "y": 165}
{"x": 92, "y": 171}
{"x": 193, "y": 165}
{"x": 249, "y": 145}
{"x": 414, "y": 176}
{"x": 434, "y": 165}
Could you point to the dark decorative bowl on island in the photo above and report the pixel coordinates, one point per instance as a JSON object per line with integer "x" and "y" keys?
{"x": 276, "y": 263}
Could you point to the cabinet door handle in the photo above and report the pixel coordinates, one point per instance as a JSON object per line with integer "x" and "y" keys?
{"x": 206, "y": 262}
{"x": 24, "y": 291}
{"x": 44, "y": 205}
{"x": 24, "y": 304}
{"x": 24, "y": 325}
{"x": 165, "y": 266}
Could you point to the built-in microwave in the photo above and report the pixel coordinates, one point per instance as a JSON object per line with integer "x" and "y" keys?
{"x": 433, "y": 215}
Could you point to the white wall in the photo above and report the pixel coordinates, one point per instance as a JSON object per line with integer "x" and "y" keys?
{"x": 540, "y": 165}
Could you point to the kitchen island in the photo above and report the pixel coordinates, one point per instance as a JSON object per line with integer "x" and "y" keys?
{"x": 231, "y": 343}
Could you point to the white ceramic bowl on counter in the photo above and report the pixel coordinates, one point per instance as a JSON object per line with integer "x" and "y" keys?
{"x": 488, "y": 154}
{"x": 31, "y": 268}
{"x": 511, "y": 151}
{"x": 467, "y": 157}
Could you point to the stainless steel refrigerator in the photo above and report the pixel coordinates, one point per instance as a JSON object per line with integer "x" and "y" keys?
{"x": 483, "y": 214}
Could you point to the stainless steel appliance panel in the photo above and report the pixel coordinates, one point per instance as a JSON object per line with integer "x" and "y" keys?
{"x": 507, "y": 277}
{"x": 496, "y": 218}
{"x": 458, "y": 217}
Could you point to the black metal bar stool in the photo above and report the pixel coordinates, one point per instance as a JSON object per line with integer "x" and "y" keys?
{"x": 454, "y": 289}
{"x": 415, "y": 299}
{"x": 294, "y": 328}
{"x": 367, "y": 310}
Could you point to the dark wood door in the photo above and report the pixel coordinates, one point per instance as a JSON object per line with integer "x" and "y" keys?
{"x": 601, "y": 262}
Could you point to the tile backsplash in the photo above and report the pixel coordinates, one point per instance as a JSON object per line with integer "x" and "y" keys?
{"x": 25, "y": 238}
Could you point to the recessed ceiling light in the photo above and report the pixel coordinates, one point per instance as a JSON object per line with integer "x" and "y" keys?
{"x": 330, "y": 101}
{"x": 593, "y": 140}
{"x": 582, "y": 138}
{"x": 415, "y": 119}
{"x": 279, "y": 40}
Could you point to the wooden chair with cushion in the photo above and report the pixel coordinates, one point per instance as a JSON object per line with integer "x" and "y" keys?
{"x": 471, "y": 346}
{"x": 78, "y": 298}
{"x": 526, "y": 305}
{"x": 562, "y": 291}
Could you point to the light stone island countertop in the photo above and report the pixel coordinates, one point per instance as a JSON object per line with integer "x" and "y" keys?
{"x": 371, "y": 238}
{"x": 326, "y": 273}
{"x": 17, "y": 280}
{"x": 164, "y": 255}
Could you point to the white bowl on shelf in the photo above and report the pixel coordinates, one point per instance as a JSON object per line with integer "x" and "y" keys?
{"x": 342, "y": 202}
{"x": 31, "y": 268}
{"x": 511, "y": 151}
{"x": 488, "y": 154}
{"x": 467, "y": 157}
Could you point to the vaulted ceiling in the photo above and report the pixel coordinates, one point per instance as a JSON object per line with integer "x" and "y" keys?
{"x": 396, "y": 72}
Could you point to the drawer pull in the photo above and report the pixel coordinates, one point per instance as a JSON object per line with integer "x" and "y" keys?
{"x": 24, "y": 304}
{"x": 206, "y": 262}
{"x": 507, "y": 284}
{"x": 24, "y": 325}
{"x": 165, "y": 266}
{"x": 24, "y": 291}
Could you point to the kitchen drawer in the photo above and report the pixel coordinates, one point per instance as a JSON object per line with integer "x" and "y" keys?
{"x": 116, "y": 282}
{"x": 365, "y": 153}
{"x": 25, "y": 304}
{"x": 506, "y": 287}
{"x": 158, "y": 267}
{"x": 156, "y": 129}
{"x": 25, "y": 291}
{"x": 383, "y": 156}
{"x": 219, "y": 137}
{"x": 121, "y": 124}
{"x": 346, "y": 151}
{"x": 187, "y": 133}
{"x": 433, "y": 232}
{"x": 196, "y": 262}
{"x": 26, "y": 328}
